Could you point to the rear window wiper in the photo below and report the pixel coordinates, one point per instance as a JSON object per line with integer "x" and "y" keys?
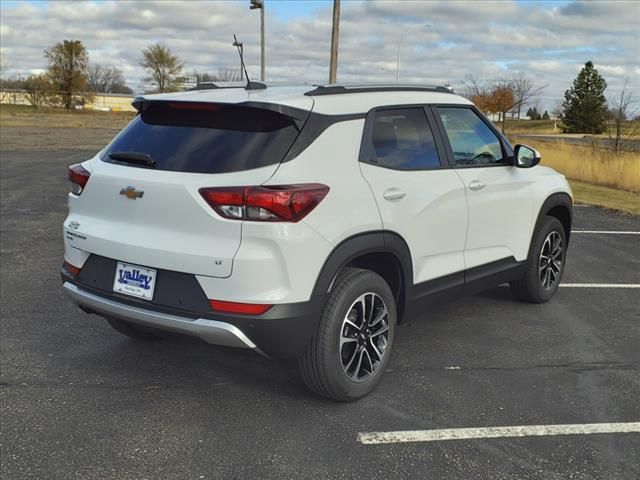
{"x": 133, "y": 157}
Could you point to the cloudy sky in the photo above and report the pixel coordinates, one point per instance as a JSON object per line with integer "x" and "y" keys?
{"x": 548, "y": 41}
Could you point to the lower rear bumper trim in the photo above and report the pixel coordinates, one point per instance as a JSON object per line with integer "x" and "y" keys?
{"x": 211, "y": 331}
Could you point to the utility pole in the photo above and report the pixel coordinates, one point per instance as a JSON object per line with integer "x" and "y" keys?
{"x": 259, "y": 4}
{"x": 333, "y": 65}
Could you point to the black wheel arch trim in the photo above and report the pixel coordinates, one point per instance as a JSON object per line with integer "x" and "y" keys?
{"x": 359, "y": 245}
{"x": 560, "y": 199}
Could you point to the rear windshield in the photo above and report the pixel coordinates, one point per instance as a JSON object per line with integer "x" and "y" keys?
{"x": 205, "y": 137}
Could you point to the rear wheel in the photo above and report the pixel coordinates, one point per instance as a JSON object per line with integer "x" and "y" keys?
{"x": 351, "y": 349}
{"x": 545, "y": 265}
{"x": 133, "y": 331}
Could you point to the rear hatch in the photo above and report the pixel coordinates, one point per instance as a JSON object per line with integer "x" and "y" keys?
{"x": 141, "y": 203}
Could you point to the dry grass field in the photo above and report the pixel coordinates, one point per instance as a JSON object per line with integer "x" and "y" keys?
{"x": 23, "y": 128}
{"x": 595, "y": 165}
{"x": 540, "y": 127}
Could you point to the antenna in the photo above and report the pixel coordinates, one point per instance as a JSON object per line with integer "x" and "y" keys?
{"x": 250, "y": 85}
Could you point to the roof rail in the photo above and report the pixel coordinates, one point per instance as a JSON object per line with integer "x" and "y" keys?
{"x": 342, "y": 89}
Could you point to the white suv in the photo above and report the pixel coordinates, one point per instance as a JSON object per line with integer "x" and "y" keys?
{"x": 306, "y": 223}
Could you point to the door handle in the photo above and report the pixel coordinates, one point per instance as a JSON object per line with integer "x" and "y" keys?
{"x": 476, "y": 185}
{"x": 393, "y": 194}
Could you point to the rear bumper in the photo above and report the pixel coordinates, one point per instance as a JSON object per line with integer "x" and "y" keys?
{"x": 211, "y": 331}
{"x": 282, "y": 332}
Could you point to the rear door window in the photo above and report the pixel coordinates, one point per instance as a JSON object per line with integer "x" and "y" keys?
{"x": 206, "y": 137}
{"x": 402, "y": 140}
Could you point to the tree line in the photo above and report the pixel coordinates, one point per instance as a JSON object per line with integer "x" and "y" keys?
{"x": 584, "y": 108}
{"x": 70, "y": 78}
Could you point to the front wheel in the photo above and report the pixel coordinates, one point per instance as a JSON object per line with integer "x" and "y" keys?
{"x": 351, "y": 349}
{"x": 545, "y": 265}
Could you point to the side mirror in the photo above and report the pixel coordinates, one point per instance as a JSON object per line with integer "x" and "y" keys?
{"x": 526, "y": 157}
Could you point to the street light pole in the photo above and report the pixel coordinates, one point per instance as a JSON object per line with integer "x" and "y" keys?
{"x": 254, "y": 4}
{"x": 426, "y": 25}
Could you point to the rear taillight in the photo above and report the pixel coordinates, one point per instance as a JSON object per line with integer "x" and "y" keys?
{"x": 236, "y": 307}
{"x": 281, "y": 203}
{"x": 72, "y": 269}
{"x": 78, "y": 177}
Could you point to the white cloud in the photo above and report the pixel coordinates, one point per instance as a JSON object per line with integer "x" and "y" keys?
{"x": 487, "y": 39}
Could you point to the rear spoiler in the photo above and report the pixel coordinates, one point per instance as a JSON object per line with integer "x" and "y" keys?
{"x": 298, "y": 115}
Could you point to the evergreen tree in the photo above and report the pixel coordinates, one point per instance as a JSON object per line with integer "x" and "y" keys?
{"x": 533, "y": 113}
{"x": 545, "y": 115}
{"x": 584, "y": 109}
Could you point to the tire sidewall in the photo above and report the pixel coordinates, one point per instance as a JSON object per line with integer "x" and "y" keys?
{"x": 341, "y": 384}
{"x": 549, "y": 225}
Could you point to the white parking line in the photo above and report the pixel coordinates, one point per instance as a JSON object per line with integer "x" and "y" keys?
{"x": 374, "y": 438}
{"x": 606, "y": 232}
{"x": 600, "y": 285}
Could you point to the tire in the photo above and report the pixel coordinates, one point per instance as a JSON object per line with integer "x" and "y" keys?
{"x": 132, "y": 331}
{"x": 350, "y": 370}
{"x": 536, "y": 286}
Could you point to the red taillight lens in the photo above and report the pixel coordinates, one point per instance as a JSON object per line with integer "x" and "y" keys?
{"x": 72, "y": 269}
{"x": 78, "y": 177}
{"x": 235, "y": 307}
{"x": 280, "y": 203}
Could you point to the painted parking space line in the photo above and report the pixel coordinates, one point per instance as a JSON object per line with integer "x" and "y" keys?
{"x": 600, "y": 285}
{"x": 592, "y": 285}
{"x": 405, "y": 436}
{"x": 606, "y": 232}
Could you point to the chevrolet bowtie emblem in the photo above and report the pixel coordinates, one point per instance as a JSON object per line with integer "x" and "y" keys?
{"x": 131, "y": 193}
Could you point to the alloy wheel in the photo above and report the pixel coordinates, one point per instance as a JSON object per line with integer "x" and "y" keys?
{"x": 550, "y": 261}
{"x": 364, "y": 337}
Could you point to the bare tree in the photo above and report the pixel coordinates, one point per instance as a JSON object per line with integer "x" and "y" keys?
{"x": 621, "y": 129}
{"x": 39, "y": 90}
{"x": 474, "y": 87}
{"x": 556, "y": 111}
{"x": 4, "y": 65}
{"x": 162, "y": 66}
{"x": 104, "y": 79}
{"x": 227, "y": 74}
{"x": 524, "y": 92}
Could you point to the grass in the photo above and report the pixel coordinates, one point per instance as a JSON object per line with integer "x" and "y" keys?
{"x": 23, "y": 128}
{"x": 533, "y": 126}
{"x": 10, "y": 109}
{"x": 594, "y": 165}
{"x": 627, "y": 202}
{"x": 26, "y": 116}
{"x": 546, "y": 127}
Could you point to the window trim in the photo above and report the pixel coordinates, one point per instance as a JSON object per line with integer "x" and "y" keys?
{"x": 507, "y": 149}
{"x": 366, "y": 145}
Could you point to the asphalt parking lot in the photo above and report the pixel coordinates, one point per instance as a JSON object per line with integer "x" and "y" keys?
{"x": 80, "y": 401}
